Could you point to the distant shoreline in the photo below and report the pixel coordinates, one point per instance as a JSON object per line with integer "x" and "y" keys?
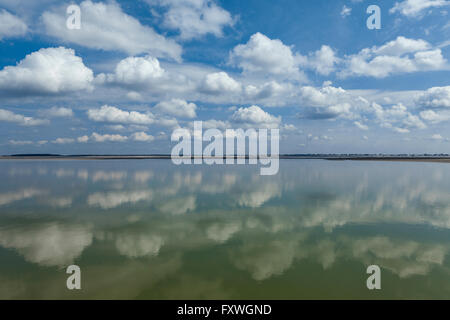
{"x": 418, "y": 158}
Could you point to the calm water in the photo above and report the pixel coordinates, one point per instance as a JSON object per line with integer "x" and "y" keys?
{"x": 146, "y": 229}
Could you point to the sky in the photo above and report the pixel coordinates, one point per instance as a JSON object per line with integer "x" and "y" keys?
{"x": 135, "y": 71}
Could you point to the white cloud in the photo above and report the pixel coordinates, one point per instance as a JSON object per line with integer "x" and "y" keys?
{"x": 254, "y": 115}
{"x": 437, "y": 137}
{"x": 414, "y": 8}
{"x": 20, "y": 142}
{"x": 8, "y": 116}
{"x": 168, "y": 122}
{"x": 25, "y": 7}
{"x": 397, "y": 118}
{"x": 114, "y": 199}
{"x": 138, "y": 245}
{"x": 105, "y": 26}
{"x": 221, "y": 232}
{"x": 100, "y": 175}
{"x": 11, "y": 25}
{"x": 325, "y": 96}
{"x": 50, "y": 244}
{"x": 322, "y": 61}
{"x": 270, "y": 93}
{"x": 430, "y": 60}
{"x": 195, "y": 18}
{"x": 400, "y": 130}
{"x": 133, "y": 95}
{"x": 142, "y": 137}
{"x": 63, "y": 140}
{"x": 47, "y": 71}
{"x": 398, "y": 56}
{"x": 219, "y": 83}
{"x": 400, "y": 46}
{"x": 83, "y": 139}
{"x": 260, "y": 195}
{"x": 177, "y": 107}
{"x": 413, "y": 121}
{"x": 135, "y": 72}
{"x": 435, "y": 116}
{"x": 179, "y": 205}
{"x": 361, "y": 126}
{"x": 289, "y": 127}
{"x": 55, "y": 112}
{"x": 115, "y": 115}
{"x": 329, "y": 102}
{"x": 262, "y": 54}
{"x": 216, "y": 124}
{"x": 436, "y": 97}
{"x": 108, "y": 137}
{"x": 346, "y": 11}
{"x": 7, "y": 198}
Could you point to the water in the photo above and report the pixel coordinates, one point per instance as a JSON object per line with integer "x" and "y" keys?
{"x": 146, "y": 229}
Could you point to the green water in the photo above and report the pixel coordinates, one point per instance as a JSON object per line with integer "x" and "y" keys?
{"x": 147, "y": 229}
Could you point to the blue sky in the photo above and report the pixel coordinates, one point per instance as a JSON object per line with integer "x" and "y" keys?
{"x": 137, "y": 70}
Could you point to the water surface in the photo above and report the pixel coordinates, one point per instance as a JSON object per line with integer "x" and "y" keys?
{"x": 147, "y": 229}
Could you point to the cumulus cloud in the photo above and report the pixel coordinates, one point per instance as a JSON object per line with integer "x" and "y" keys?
{"x": 361, "y": 125}
{"x": 20, "y": 142}
{"x": 437, "y": 137}
{"x": 7, "y": 198}
{"x": 108, "y": 137}
{"x": 136, "y": 120}
{"x": 436, "y": 97}
{"x": 63, "y": 140}
{"x": 115, "y": 115}
{"x": 215, "y": 124}
{"x": 262, "y": 54}
{"x": 194, "y": 18}
{"x": 401, "y": 55}
{"x": 435, "y": 116}
{"x": 105, "y": 26}
{"x": 414, "y": 8}
{"x": 44, "y": 72}
{"x": 325, "y": 96}
{"x": 55, "y": 112}
{"x": 134, "y": 72}
{"x": 270, "y": 93}
{"x": 397, "y": 117}
{"x": 400, "y": 46}
{"x": 51, "y": 244}
{"x": 323, "y": 61}
{"x": 219, "y": 83}
{"x": 436, "y": 103}
{"x": 265, "y": 260}
{"x": 8, "y": 116}
{"x": 221, "y": 232}
{"x": 260, "y": 195}
{"x": 138, "y": 245}
{"x": 11, "y": 25}
{"x": 142, "y": 137}
{"x": 177, "y": 107}
{"x": 103, "y": 138}
{"x": 254, "y": 115}
{"x": 83, "y": 139}
{"x": 329, "y": 102}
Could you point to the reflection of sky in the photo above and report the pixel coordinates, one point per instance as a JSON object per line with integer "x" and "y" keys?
{"x": 396, "y": 215}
